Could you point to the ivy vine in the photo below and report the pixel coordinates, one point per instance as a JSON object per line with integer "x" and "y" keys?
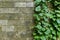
{"x": 47, "y": 19}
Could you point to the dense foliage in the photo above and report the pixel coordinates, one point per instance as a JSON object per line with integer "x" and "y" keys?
{"x": 47, "y": 19}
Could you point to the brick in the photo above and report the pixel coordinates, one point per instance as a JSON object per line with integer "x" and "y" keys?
{"x": 20, "y": 4}
{"x": 3, "y": 16}
{"x": 9, "y": 16}
{"x": 13, "y": 22}
{"x": 29, "y": 0}
{"x": 13, "y": 16}
{"x": 27, "y": 10}
{"x": 7, "y": 28}
{"x": 3, "y": 22}
{"x": 9, "y": 10}
{"x": 18, "y": 0}
{"x": 6, "y": 4}
{"x": 13, "y": 0}
{"x": 29, "y": 4}
{"x": 20, "y": 29}
{"x": 24, "y": 4}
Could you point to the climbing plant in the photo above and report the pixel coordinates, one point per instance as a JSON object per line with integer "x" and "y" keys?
{"x": 47, "y": 19}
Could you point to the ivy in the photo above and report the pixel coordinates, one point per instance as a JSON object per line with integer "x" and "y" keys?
{"x": 47, "y": 20}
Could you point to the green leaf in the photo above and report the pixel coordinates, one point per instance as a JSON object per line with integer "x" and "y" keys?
{"x": 47, "y": 31}
{"x": 45, "y": 23}
{"x": 49, "y": 15}
{"x": 54, "y": 32}
{"x": 54, "y": 19}
{"x": 50, "y": 36}
{"x": 58, "y": 21}
{"x": 39, "y": 27}
{"x": 58, "y": 8}
{"x": 43, "y": 29}
{"x": 34, "y": 33}
{"x": 57, "y": 11}
{"x": 45, "y": 19}
{"x": 51, "y": 28}
{"x": 38, "y": 8}
{"x": 40, "y": 32}
{"x": 43, "y": 0}
{"x": 55, "y": 24}
{"x": 43, "y": 38}
{"x": 54, "y": 37}
{"x": 36, "y": 37}
{"x": 38, "y": 1}
{"x": 58, "y": 15}
{"x": 56, "y": 3}
{"x": 37, "y": 17}
{"x": 41, "y": 14}
{"x": 58, "y": 33}
{"x": 58, "y": 29}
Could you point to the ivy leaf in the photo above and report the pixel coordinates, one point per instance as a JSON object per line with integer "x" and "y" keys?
{"x": 49, "y": 15}
{"x": 56, "y": 3}
{"x": 58, "y": 8}
{"x": 54, "y": 37}
{"x": 39, "y": 27}
{"x": 51, "y": 28}
{"x": 50, "y": 36}
{"x": 55, "y": 25}
{"x": 43, "y": 29}
{"x": 37, "y": 2}
{"x": 54, "y": 19}
{"x": 58, "y": 21}
{"x": 37, "y": 17}
{"x": 58, "y": 15}
{"x": 58, "y": 29}
{"x": 53, "y": 32}
{"x": 57, "y": 11}
{"x": 58, "y": 33}
{"x": 46, "y": 19}
{"x": 34, "y": 33}
{"x": 45, "y": 23}
{"x": 36, "y": 37}
{"x": 38, "y": 8}
{"x": 43, "y": 38}
{"x": 41, "y": 14}
{"x": 43, "y": 0}
{"x": 40, "y": 32}
{"x": 47, "y": 32}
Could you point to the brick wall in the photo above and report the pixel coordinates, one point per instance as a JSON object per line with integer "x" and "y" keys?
{"x": 16, "y": 19}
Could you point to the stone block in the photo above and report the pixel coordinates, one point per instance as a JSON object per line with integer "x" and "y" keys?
{"x": 9, "y": 10}
{"x": 24, "y": 4}
{"x": 13, "y": 22}
{"x": 30, "y": 4}
{"x": 13, "y": 0}
{"x": 20, "y": 28}
{"x": 3, "y": 16}
{"x": 9, "y": 16}
{"x": 29, "y": 0}
{"x": 3, "y": 22}
{"x": 18, "y": 0}
{"x": 20, "y": 4}
{"x": 27, "y": 10}
{"x": 6, "y": 4}
{"x": 13, "y": 16}
{"x": 7, "y": 28}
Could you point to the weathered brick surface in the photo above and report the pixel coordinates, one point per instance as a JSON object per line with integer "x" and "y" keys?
{"x": 18, "y": 0}
{"x": 6, "y": 4}
{"x": 16, "y": 19}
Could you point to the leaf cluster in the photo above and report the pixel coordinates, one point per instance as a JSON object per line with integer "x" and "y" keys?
{"x": 47, "y": 22}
